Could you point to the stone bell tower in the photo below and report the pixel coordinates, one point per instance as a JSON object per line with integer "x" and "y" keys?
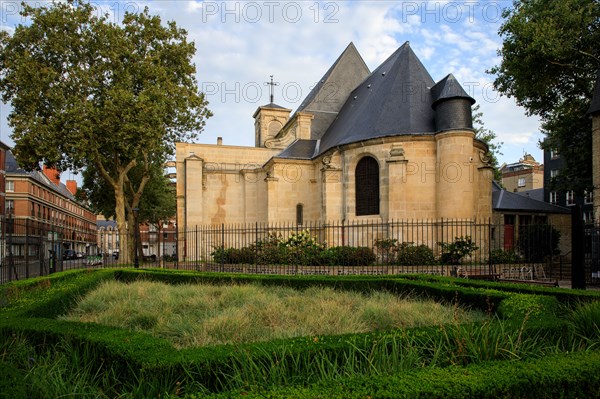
{"x": 269, "y": 119}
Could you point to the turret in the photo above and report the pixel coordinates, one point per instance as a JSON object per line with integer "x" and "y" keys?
{"x": 452, "y": 105}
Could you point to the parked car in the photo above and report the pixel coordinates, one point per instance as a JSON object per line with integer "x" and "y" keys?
{"x": 116, "y": 254}
{"x": 69, "y": 254}
{"x": 79, "y": 255}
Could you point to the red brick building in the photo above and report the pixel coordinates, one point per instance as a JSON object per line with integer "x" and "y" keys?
{"x": 43, "y": 206}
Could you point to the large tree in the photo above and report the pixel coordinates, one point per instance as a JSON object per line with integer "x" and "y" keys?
{"x": 157, "y": 203}
{"x": 550, "y": 55}
{"x": 90, "y": 93}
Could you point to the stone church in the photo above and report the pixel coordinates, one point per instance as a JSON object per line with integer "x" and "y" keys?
{"x": 384, "y": 145}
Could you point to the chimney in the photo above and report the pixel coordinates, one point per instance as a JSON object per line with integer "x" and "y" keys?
{"x": 72, "y": 186}
{"x": 219, "y": 140}
{"x": 52, "y": 174}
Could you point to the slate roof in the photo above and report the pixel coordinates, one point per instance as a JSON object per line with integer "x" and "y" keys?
{"x": 12, "y": 167}
{"x": 270, "y": 105}
{"x": 106, "y": 224}
{"x": 330, "y": 93}
{"x": 503, "y": 200}
{"x": 595, "y": 106}
{"x": 448, "y": 88}
{"x": 536, "y": 194}
{"x": 395, "y": 99}
{"x": 299, "y": 149}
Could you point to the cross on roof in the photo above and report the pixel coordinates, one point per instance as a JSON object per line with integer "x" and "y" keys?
{"x": 272, "y": 84}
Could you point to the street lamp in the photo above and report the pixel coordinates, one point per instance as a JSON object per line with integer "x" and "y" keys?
{"x": 136, "y": 259}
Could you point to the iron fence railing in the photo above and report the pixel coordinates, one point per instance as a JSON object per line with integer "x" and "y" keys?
{"x": 444, "y": 247}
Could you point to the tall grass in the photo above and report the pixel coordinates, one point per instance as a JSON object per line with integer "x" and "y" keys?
{"x": 201, "y": 315}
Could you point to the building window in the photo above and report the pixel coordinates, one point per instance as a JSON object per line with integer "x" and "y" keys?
{"x": 570, "y": 196}
{"x": 554, "y": 197}
{"x": 554, "y": 153}
{"x": 367, "y": 187}
{"x": 299, "y": 214}
{"x": 10, "y": 207}
{"x": 10, "y": 186}
{"x": 521, "y": 182}
{"x": 588, "y": 197}
{"x": 553, "y": 173}
{"x": 588, "y": 216}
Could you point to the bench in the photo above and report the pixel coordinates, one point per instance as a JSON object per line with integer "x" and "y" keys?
{"x": 493, "y": 277}
{"x": 544, "y": 283}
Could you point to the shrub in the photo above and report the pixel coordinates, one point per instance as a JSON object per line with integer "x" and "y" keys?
{"x": 538, "y": 241}
{"x": 500, "y": 256}
{"x": 348, "y": 256}
{"x": 387, "y": 248}
{"x": 453, "y": 252}
{"x": 412, "y": 255}
{"x": 518, "y": 307}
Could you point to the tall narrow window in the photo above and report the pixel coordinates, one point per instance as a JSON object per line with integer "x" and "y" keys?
{"x": 570, "y": 196}
{"x": 367, "y": 187}
{"x": 299, "y": 214}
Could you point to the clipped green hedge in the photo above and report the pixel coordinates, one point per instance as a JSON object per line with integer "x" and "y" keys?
{"x": 30, "y": 307}
{"x": 573, "y": 375}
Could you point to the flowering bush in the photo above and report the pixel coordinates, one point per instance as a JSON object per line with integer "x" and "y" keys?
{"x": 299, "y": 248}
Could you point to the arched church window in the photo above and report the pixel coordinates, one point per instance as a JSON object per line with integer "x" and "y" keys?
{"x": 299, "y": 214}
{"x": 367, "y": 187}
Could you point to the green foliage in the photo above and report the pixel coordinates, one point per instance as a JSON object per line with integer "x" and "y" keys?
{"x": 404, "y": 254}
{"x": 488, "y": 137}
{"x": 409, "y": 254}
{"x": 90, "y": 93}
{"x": 454, "y": 252}
{"x": 297, "y": 249}
{"x": 12, "y": 382}
{"x": 234, "y": 256}
{"x": 537, "y": 308}
{"x": 116, "y": 362}
{"x": 499, "y": 256}
{"x": 585, "y": 320}
{"x": 550, "y": 55}
{"x": 348, "y": 256}
{"x": 537, "y": 242}
{"x": 556, "y": 376}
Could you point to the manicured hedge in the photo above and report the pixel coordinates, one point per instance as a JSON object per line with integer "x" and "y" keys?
{"x": 574, "y": 375}
{"x": 30, "y": 307}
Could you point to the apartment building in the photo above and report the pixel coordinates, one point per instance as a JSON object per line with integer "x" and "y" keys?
{"x": 38, "y": 204}
{"x": 525, "y": 175}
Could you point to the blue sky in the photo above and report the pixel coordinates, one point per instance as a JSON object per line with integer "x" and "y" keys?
{"x": 239, "y": 44}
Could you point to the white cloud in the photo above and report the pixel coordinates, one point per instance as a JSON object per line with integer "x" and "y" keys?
{"x": 239, "y": 44}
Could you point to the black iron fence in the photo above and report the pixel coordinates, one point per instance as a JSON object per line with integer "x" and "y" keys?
{"x": 474, "y": 249}
{"x": 443, "y": 247}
